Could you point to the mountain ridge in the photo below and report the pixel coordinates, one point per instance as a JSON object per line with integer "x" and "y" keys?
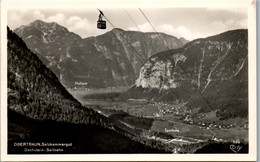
{"x": 105, "y": 54}
{"x": 198, "y": 73}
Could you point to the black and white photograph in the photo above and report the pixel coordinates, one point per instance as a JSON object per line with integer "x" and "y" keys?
{"x": 107, "y": 79}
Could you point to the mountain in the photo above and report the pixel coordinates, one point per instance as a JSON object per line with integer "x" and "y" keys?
{"x": 109, "y": 60}
{"x": 183, "y": 40}
{"x": 35, "y": 91}
{"x": 47, "y": 40}
{"x": 40, "y": 110}
{"x": 210, "y": 73}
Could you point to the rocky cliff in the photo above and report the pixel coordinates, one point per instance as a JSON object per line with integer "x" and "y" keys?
{"x": 209, "y": 73}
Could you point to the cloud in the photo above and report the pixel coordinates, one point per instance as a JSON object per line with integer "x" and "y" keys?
{"x": 146, "y": 27}
{"x": 180, "y": 31}
{"x": 14, "y": 19}
{"x": 75, "y": 24}
{"x": 79, "y": 25}
{"x": 243, "y": 23}
{"x": 36, "y": 15}
{"x": 228, "y": 25}
{"x": 58, "y": 18}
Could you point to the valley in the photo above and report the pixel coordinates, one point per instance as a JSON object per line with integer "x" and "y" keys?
{"x": 172, "y": 123}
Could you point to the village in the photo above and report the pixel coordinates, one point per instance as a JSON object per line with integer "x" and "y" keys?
{"x": 191, "y": 116}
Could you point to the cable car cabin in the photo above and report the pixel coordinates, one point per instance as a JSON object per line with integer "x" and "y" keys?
{"x": 101, "y": 24}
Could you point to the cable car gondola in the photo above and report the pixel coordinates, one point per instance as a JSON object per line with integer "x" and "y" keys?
{"x": 101, "y": 24}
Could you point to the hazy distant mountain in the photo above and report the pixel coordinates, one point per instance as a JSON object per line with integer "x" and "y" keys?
{"x": 41, "y": 110}
{"x": 183, "y": 40}
{"x": 107, "y": 60}
{"x": 216, "y": 67}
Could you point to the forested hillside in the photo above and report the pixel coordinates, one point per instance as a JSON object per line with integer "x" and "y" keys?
{"x": 41, "y": 110}
{"x": 34, "y": 90}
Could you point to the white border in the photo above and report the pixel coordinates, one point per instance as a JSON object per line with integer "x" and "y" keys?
{"x": 32, "y": 4}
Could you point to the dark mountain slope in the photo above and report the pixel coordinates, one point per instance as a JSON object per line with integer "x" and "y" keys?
{"x": 84, "y": 138}
{"x": 35, "y": 91}
{"x": 107, "y": 60}
{"x": 216, "y": 67}
{"x": 41, "y": 110}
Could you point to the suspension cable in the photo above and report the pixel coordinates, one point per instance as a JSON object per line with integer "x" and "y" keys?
{"x": 141, "y": 59}
{"x": 155, "y": 51}
{"x": 132, "y": 20}
{"x": 137, "y": 27}
{"x": 165, "y": 46}
{"x": 177, "y": 62}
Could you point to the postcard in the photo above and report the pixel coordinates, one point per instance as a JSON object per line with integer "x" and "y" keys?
{"x": 128, "y": 80}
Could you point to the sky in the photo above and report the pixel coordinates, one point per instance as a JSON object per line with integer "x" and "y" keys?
{"x": 190, "y": 23}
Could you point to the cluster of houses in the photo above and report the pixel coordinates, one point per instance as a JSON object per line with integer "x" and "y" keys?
{"x": 207, "y": 125}
{"x": 177, "y": 110}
